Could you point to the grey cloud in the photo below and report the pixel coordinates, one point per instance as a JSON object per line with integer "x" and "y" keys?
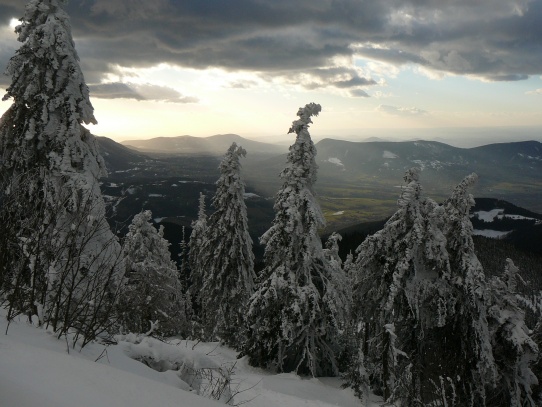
{"x": 494, "y": 39}
{"x": 118, "y": 90}
{"x": 354, "y": 81}
{"x": 507, "y": 78}
{"x": 359, "y": 93}
{"x": 333, "y": 77}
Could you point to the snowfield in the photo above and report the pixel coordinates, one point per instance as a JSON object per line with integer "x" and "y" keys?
{"x": 490, "y": 216}
{"x": 37, "y": 371}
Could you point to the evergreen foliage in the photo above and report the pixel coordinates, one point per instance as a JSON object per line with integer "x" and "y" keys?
{"x": 153, "y": 294}
{"x": 294, "y": 316}
{"x": 513, "y": 348}
{"x": 197, "y": 239}
{"x": 468, "y": 317}
{"x": 420, "y": 302}
{"x": 50, "y": 166}
{"x": 226, "y": 261}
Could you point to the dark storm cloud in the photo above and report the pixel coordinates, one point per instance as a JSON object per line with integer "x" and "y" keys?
{"x": 316, "y": 78}
{"x": 493, "y": 39}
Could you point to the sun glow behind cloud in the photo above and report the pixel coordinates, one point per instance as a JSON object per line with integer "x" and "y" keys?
{"x": 267, "y": 74}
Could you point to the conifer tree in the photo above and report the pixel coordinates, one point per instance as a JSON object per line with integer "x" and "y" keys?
{"x": 197, "y": 238}
{"x": 183, "y": 259}
{"x": 292, "y": 318}
{"x": 409, "y": 248}
{"x": 153, "y": 294}
{"x": 340, "y": 284}
{"x": 467, "y": 319}
{"x": 51, "y": 165}
{"x": 226, "y": 256}
{"x": 420, "y": 276}
{"x": 514, "y": 350}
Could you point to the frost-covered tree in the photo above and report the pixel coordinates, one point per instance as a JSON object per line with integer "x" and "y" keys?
{"x": 391, "y": 266}
{"x": 420, "y": 276}
{"x": 48, "y": 158}
{"x": 153, "y": 294}
{"x": 537, "y": 366}
{"x": 292, "y": 318}
{"x": 226, "y": 255}
{"x": 467, "y": 319}
{"x": 513, "y": 348}
{"x": 340, "y": 284}
{"x": 197, "y": 238}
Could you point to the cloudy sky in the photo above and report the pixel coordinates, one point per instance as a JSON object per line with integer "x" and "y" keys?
{"x": 203, "y": 67}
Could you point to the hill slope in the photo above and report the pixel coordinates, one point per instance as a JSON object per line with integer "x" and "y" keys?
{"x": 213, "y": 145}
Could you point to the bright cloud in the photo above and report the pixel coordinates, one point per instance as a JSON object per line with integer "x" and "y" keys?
{"x": 401, "y": 111}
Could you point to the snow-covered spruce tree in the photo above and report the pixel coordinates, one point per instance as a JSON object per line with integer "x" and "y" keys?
{"x": 226, "y": 256}
{"x": 52, "y": 165}
{"x": 197, "y": 238}
{"x": 339, "y": 281}
{"x": 153, "y": 293}
{"x": 537, "y": 366}
{"x": 467, "y": 327}
{"x": 341, "y": 284}
{"x": 392, "y": 267}
{"x": 513, "y": 348}
{"x": 420, "y": 274}
{"x": 292, "y": 318}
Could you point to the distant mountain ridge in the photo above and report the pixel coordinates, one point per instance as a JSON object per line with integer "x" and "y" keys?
{"x": 118, "y": 157}
{"x": 357, "y": 181}
{"x": 360, "y": 180}
{"x": 213, "y": 145}
{"x": 494, "y": 163}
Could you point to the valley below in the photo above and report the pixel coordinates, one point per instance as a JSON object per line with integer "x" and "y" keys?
{"x": 357, "y": 181}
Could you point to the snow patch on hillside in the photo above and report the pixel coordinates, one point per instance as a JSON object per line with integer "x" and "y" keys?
{"x": 336, "y": 161}
{"x": 389, "y": 154}
{"x": 519, "y": 217}
{"x": 435, "y": 164}
{"x": 251, "y": 195}
{"x": 488, "y": 216}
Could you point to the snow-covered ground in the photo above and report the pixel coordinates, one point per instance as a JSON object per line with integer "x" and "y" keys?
{"x": 490, "y": 216}
{"x": 37, "y": 371}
